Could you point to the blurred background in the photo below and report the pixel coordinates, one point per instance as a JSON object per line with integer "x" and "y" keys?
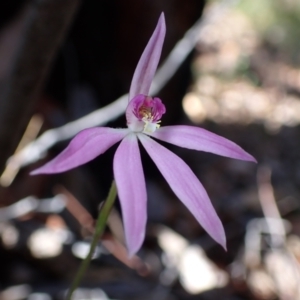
{"x": 235, "y": 73}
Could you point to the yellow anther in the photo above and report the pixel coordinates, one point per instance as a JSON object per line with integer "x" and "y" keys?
{"x": 146, "y": 112}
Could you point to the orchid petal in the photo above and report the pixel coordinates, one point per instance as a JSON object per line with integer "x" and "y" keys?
{"x": 85, "y": 146}
{"x": 186, "y": 187}
{"x": 147, "y": 65}
{"x": 202, "y": 140}
{"x": 130, "y": 181}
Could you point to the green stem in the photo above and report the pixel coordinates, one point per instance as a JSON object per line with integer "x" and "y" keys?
{"x": 100, "y": 225}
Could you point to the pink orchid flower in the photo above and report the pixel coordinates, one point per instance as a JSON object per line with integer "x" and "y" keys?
{"x": 143, "y": 116}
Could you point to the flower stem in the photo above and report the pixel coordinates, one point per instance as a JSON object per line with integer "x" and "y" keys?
{"x": 100, "y": 225}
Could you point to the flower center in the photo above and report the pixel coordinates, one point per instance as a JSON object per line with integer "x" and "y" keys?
{"x": 148, "y": 112}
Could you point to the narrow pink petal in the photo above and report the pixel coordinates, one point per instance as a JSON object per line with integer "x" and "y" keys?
{"x": 85, "y": 146}
{"x": 147, "y": 65}
{"x": 186, "y": 187}
{"x": 202, "y": 140}
{"x": 129, "y": 176}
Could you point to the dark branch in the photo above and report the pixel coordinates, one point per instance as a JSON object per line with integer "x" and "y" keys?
{"x": 46, "y": 24}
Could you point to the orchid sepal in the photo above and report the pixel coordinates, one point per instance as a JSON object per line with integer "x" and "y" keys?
{"x": 147, "y": 65}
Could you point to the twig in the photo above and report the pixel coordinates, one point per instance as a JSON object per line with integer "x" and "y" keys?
{"x": 269, "y": 206}
{"x": 32, "y": 204}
